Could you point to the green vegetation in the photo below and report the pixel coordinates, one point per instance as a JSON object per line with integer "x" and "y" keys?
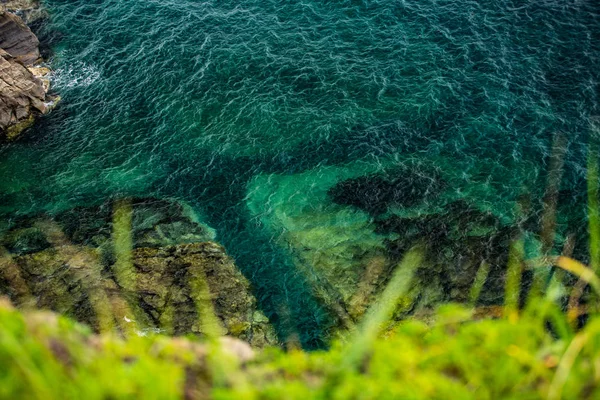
{"x": 45, "y": 356}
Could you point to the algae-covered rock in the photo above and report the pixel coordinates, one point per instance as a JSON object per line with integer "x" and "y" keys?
{"x": 347, "y": 227}
{"x": 458, "y": 239}
{"x": 25, "y": 240}
{"x": 155, "y": 223}
{"x": 163, "y": 276}
{"x": 67, "y": 264}
{"x": 65, "y": 279}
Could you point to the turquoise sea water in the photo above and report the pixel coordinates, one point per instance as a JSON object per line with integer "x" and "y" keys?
{"x": 239, "y": 107}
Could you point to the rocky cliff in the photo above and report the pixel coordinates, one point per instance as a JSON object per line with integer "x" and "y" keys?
{"x": 24, "y": 84}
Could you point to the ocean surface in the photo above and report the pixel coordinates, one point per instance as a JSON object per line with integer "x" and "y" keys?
{"x": 240, "y": 108}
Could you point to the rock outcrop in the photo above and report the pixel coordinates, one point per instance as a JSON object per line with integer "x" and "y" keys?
{"x": 29, "y": 10}
{"x": 68, "y": 264}
{"x": 22, "y": 95}
{"x": 17, "y": 39}
{"x": 23, "y": 87}
{"x": 163, "y": 283}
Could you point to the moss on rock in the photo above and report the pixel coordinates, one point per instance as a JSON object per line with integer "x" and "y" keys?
{"x": 66, "y": 264}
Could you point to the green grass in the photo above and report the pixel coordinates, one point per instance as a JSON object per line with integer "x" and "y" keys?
{"x": 45, "y": 356}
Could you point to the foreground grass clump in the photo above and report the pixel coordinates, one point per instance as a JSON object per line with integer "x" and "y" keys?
{"x": 45, "y": 356}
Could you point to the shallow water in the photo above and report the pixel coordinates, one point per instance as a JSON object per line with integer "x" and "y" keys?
{"x": 206, "y": 101}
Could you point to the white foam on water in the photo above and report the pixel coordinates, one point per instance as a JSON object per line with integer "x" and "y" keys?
{"x": 78, "y": 74}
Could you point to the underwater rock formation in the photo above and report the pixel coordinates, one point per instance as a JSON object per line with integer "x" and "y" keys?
{"x": 163, "y": 276}
{"x": 375, "y": 193}
{"x": 23, "y": 87}
{"x": 347, "y": 228}
{"x": 330, "y": 245}
{"x": 154, "y": 223}
{"x": 67, "y": 264}
{"x": 458, "y": 239}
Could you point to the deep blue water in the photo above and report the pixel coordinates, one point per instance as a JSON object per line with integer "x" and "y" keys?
{"x": 200, "y": 100}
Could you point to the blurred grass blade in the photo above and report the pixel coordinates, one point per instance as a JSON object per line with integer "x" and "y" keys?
{"x": 211, "y": 326}
{"x": 39, "y": 380}
{"x": 123, "y": 244}
{"x": 513, "y": 279}
{"x": 578, "y": 269}
{"x": 573, "y": 307}
{"x": 566, "y": 364}
{"x": 123, "y": 268}
{"x": 224, "y": 367}
{"x": 478, "y": 283}
{"x": 383, "y": 309}
{"x": 593, "y": 207}
{"x": 584, "y": 273}
{"x": 85, "y": 268}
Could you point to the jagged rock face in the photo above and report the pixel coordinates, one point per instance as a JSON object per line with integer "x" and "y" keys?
{"x": 17, "y": 39}
{"x": 21, "y": 96}
{"x": 23, "y": 88}
{"x": 67, "y": 264}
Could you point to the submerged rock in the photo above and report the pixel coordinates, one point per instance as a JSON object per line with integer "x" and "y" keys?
{"x": 331, "y": 245}
{"x": 67, "y": 264}
{"x": 347, "y": 228}
{"x": 163, "y": 276}
{"x": 458, "y": 239}
{"x": 400, "y": 187}
{"x": 154, "y": 223}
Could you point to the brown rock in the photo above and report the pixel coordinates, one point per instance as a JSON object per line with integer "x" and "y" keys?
{"x": 21, "y": 96}
{"x": 29, "y": 10}
{"x": 13, "y": 5}
{"x": 22, "y": 90}
{"x": 17, "y": 39}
